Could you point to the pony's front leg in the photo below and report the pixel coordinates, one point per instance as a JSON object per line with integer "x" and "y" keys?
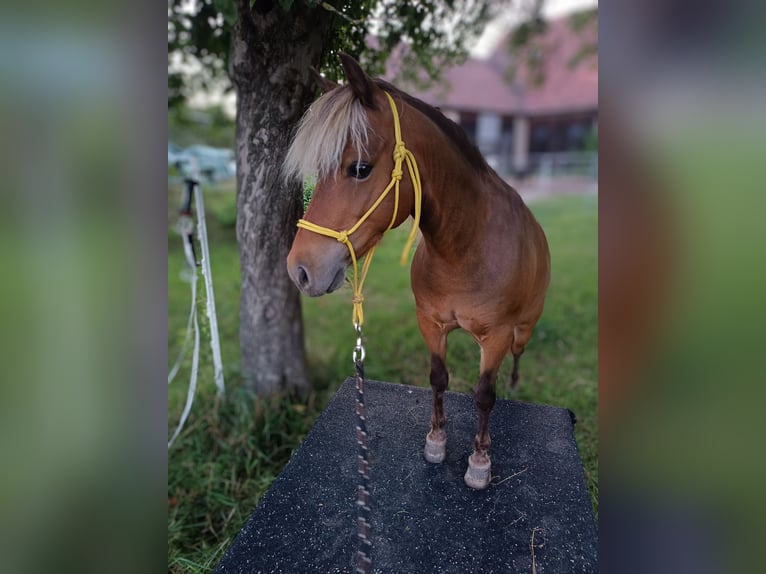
{"x": 479, "y": 464}
{"x": 436, "y": 439}
{"x": 436, "y": 339}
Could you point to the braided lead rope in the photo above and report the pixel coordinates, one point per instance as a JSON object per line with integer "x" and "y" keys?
{"x": 364, "y": 530}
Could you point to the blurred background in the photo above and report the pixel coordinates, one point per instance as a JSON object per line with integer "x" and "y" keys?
{"x": 87, "y": 286}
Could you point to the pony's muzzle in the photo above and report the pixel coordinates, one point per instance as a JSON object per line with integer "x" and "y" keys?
{"x": 315, "y": 278}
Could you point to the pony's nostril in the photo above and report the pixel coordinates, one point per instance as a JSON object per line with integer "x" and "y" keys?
{"x": 303, "y": 277}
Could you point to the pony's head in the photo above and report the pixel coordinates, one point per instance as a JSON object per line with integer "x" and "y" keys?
{"x": 346, "y": 140}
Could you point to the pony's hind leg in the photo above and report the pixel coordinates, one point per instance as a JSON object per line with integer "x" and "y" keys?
{"x": 479, "y": 464}
{"x": 521, "y": 335}
{"x": 436, "y": 339}
{"x": 515, "y": 372}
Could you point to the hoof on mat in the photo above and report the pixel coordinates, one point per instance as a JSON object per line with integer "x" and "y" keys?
{"x": 477, "y": 476}
{"x": 435, "y": 450}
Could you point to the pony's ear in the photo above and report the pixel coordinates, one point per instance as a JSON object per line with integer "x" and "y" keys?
{"x": 321, "y": 82}
{"x": 361, "y": 84}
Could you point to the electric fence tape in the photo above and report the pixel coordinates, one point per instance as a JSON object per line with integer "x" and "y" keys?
{"x": 185, "y": 228}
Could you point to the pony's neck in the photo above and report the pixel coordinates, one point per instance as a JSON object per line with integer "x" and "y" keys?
{"x": 454, "y": 191}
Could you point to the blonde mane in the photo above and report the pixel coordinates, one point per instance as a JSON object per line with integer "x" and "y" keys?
{"x": 333, "y": 120}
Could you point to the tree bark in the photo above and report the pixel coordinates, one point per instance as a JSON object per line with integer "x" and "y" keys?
{"x": 271, "y": 53}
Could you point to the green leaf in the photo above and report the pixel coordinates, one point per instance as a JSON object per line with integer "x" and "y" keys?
{"x": 286, "y": 4}
{"x": 228, "y": 10}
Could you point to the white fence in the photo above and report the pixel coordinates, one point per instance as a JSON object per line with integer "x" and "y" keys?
{"x": 580, "y": 163}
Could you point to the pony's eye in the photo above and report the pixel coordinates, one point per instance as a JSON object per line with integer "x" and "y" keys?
{"x": 359, "y": 170}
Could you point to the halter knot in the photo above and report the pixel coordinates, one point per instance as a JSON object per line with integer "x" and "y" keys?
{"x": 357, "y": 299}
{"x": 396, "y": 173}
{"x": 399, "y": 151}
{"x": 343, "y": 236}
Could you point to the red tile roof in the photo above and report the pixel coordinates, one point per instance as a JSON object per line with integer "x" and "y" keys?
{"x": 480, "y": 85}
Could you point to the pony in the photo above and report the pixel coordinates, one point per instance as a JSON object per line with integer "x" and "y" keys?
{"x": 482, "y": 263}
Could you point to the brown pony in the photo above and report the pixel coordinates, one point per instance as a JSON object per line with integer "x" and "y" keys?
{"x": 482, "y": 264}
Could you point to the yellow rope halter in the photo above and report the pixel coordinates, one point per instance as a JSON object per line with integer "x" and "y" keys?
{"x": 401, "y": 153}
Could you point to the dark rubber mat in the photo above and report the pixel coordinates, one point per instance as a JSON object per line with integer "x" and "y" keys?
{"x": 424, "y": 518}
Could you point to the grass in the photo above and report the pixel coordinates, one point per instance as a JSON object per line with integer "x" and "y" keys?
{"x": 233, "y": 447}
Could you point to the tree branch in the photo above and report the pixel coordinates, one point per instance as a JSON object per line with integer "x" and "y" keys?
{"x": 334, "y": 10}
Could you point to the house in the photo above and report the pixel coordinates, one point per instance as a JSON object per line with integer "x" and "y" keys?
{"x": 518, "y": 125}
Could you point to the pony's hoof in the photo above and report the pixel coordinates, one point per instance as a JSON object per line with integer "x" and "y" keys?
{"x": 477, "y": 475}
{"x": 435, "y": 450}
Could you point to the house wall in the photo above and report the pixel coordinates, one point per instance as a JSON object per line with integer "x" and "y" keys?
{"x": 560, "y": 133}
{"x": 515, "y": 145}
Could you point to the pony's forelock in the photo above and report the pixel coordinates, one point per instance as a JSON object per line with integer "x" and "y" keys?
{"x": 333, "y": 120}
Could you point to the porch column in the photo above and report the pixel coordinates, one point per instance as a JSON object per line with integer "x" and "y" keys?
{"x": 520, "y": 143}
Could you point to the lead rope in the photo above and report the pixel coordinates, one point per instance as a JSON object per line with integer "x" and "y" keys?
{"x": 363, "y": 558}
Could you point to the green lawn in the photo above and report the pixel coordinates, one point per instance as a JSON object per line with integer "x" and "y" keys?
{"x": 233, "y": 448}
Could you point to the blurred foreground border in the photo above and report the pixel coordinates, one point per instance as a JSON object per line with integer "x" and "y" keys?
{"x": 682, "y": 278}
{"x": 83, "y": 287}
{"x": 681, "y": 283}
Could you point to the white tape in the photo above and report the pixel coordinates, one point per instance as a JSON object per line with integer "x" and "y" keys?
{"x": 192, "y": 381}
{"x": 187, "y": 337}
{"x": 192, "y": 322}
{"x": 215, "y": 344}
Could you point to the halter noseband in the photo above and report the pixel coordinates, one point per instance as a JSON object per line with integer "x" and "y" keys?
{"x": 401, "y": 153}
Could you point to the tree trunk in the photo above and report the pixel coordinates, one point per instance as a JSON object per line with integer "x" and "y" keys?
{"x": 270, "y": 56}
